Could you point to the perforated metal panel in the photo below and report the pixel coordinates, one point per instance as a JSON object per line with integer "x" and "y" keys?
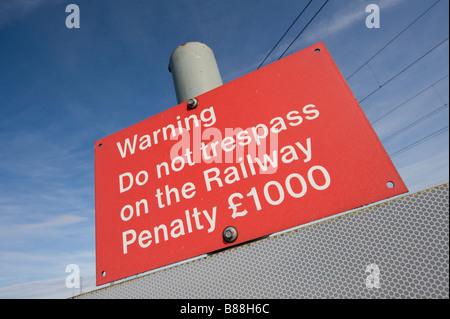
{"x": 406, "y": 239}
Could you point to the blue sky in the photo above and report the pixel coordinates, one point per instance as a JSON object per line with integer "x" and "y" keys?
{"x": 62, "y": 89}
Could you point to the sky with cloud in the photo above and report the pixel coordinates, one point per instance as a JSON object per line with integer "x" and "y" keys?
{"x": 63, "y": 89}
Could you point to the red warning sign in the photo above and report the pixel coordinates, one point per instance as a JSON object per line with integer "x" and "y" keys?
{"x": 279, "y": 147}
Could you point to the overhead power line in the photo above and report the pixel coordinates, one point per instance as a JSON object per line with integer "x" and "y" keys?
{"x": 411, "y": 98}
{"x": 426, "y": 138}
{"x": 417, "y": 122}
{"x": 298, "y": 35}
{"x": 406, "y": 68}
{"x": 393, "y": 39}
{"x": 282, "y": 37}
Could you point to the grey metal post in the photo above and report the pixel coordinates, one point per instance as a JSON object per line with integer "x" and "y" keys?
{"x": 194, "y": 70}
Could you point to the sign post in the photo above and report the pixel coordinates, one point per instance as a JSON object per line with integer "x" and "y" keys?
{"x": 194, "y": 70}
{"x": 277, "y": 148}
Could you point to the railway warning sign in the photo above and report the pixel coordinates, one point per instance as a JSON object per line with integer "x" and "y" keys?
{"x": 279, "y": 147}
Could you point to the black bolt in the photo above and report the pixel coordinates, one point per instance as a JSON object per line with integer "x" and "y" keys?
{"x": 230, "y": 234}
{"x": 192, "y": 103}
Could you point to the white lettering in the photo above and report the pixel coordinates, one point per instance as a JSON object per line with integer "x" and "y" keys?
{"x": 201, "y": 220}
{"x": 73, "y": 19}
{"x": 373, "y": 19}
{"x": 127, "y": 242}
{"x": 123, "y": 150}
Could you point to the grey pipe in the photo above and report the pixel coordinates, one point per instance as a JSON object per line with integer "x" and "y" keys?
{"x": 194, "y": 70}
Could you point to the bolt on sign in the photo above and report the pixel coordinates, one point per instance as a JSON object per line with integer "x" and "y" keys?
{"x": 277, "y": 148}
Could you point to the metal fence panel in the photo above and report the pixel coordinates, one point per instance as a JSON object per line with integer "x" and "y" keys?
{"x": 397, "y": 249}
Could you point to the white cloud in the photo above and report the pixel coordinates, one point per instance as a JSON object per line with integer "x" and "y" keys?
{"x": 57, "y": 221}
{"x": 427, "y": 173}
{"x": 46, "y": 289}
{"x": 13, "y": 10}
{"x": 343, "y": 19}
{"x": 37, "y": 289}
{"x": 22, "y": 269}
